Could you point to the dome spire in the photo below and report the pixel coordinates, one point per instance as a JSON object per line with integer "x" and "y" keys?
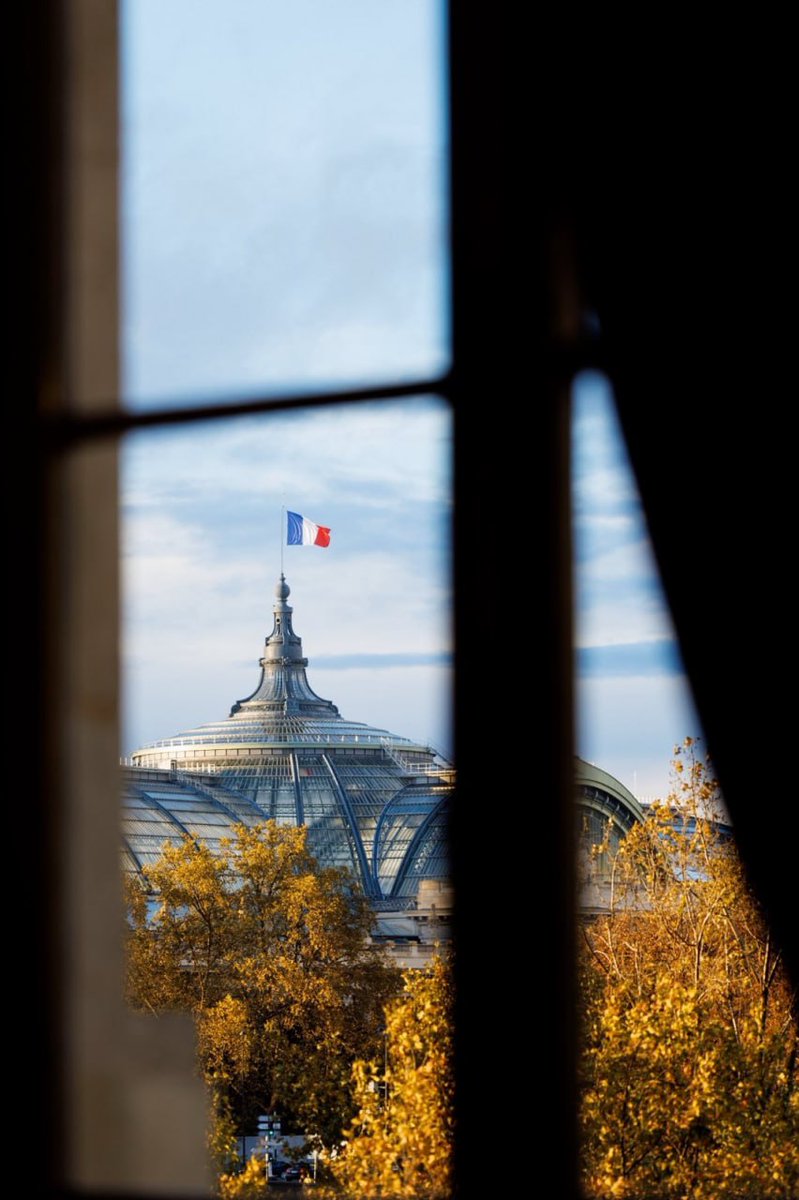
{"x": 283, "y": 645}
{"x": 283, "y": 685}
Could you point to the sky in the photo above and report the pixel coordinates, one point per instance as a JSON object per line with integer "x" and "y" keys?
{"x": 633, "y": 701}
{"x": 284, "y": 227}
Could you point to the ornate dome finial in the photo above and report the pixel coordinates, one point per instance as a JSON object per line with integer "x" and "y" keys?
{"x": 283, "y": 686}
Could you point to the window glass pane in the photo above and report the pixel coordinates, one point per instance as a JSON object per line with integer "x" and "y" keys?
{"x": 686, "y": 1005}
{"x": 202, "y": 554}
{"x": 303, "y": 684}
{"x": 284, "y": 210}
{"x": 634, "y": 704}
{"x": 347, "y": 729}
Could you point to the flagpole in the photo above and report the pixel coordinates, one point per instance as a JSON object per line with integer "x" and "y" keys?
{"x": 282, "y": 526}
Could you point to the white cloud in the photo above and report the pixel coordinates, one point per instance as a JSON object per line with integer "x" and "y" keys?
{"x": 627, "y": 724}
{"x": 202, "y": 554}
{"x": 622, "y": 622}
{"x": 631, "y": 561}
{"x": 630, "y": 726}
{"x": 404, "y": 447}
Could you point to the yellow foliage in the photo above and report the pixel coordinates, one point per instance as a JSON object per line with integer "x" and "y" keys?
{"x": 270, "y": 953}
{"x": 689, "y": 1056}
{"x": 400, "y": 1141}
{"x": 249, "y": 1184}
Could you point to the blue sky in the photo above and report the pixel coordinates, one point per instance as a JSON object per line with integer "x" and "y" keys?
{"x": 201, "y": 537}
{"x": 634, "y": 704}
{"x": 283, "y": 194}
{"x": 284, "y": 225}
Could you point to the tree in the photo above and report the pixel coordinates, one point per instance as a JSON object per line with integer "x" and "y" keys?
{"x": 689, "y": 1056}
{"x": 270, "y": 953}
{"x": 400, "y": 1141}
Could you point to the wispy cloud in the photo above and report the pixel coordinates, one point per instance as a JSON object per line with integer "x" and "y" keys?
{"x": 347, "y": 662}
{"x": 633, "y": 702}
{"x": 631, "y": 659}
{"x": 368, "y": 453}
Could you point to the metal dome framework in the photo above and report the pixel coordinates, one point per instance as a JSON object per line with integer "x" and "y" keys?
{"x": 605, "y": 812}
{"x": 374, "y": 802}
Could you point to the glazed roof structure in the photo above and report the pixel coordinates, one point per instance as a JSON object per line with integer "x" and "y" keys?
{"x": 373, "y": 801}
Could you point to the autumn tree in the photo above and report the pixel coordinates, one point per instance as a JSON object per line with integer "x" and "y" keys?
{"x": 270, "y": 952}
{"x": 399, "y": 1143}
{"x": 689, "y": 1057}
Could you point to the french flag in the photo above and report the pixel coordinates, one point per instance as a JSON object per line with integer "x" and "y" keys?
{"x": 302, "y": 532}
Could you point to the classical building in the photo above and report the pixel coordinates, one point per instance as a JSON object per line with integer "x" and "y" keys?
{"x": 373, "y": 801}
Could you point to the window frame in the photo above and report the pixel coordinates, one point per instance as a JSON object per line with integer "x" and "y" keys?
{"x": 71, "y": 556}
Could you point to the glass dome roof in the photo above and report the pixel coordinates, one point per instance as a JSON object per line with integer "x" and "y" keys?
{"x": 373, "y": 801}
